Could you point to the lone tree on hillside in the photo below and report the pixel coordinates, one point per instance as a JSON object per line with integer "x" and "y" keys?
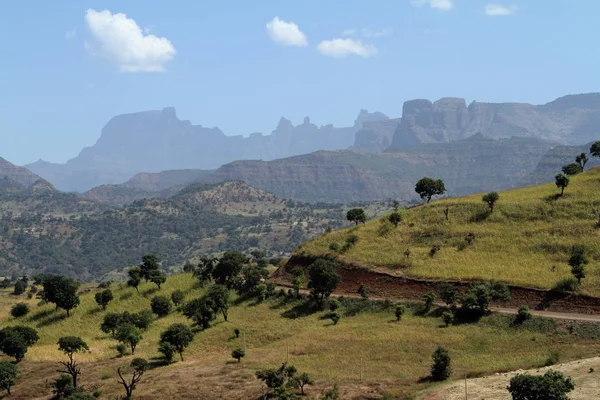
{"x": 15, "y": 340}
{"x": 552, "y": 385}
{"x": 177, "y": 297}
{"x": 8, "y": 375}
{"x": 160, "y": 305}
{"x": 71, "y": 345}
{"x": 322, "y": 280}
{"x": 238, "y": 354}
{"x": 103, "y": 298}
{"x": 491, "y": 198}
{"x": 179, "y": 336}
{"x": 428, "y": 187}
{"x": 149, "y": 264}
{"x": 61, "y": 291}
{"x": 219, "y": 298}
{"x": 595, "y": 149}
{"x": 205, "y": 268}
{"x": 135, "y": 277}
{"x": 138, "y": 367}
{"x": 158, "y": 278}
{"x": 229, "y": 267}
{"x": 129, "y": 334}
{"x": 395, "y": 218}
{"x": 577, "y": 262}
{"x": 582, "y": 159}
{"x": 561, "y": 181}
{"x": 356, "y": 215}
{"x": 395, "y": 205}
{"x": 572, "y": 169}
{"x": 441, "y": 368}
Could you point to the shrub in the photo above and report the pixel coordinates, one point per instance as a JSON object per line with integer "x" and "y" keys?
{"x": 566, "y": 286}
{"x": 441, "y": 368}
{"x": 428, "y": 299}
{"x": 121, "y": 349}
{"x": 523, "y": 315}
{"x": 63, "y": 386}
{"x": 363, "y": 291}
{"x": 434, "y": 249}
{"x": 334, "y": 247}
{"x": 237, "y": 332}
{"x": 238, "y": 354}
{"x": 19, "y": 310}
{"x": 552, "y": 358}
{"x": 161, "y": 305}
{"x": 335, "y": 317}
{"x": 553, "y": 385}
{"x": 334, "y": 304}
{"x": 177, "y": 297}
{"x": 448, "y": 293}
{"x": 20, "y": 287}
{"x": 167, "y": 350}
{"x": 447, "y": 317}
{"x": 399, "y": 311}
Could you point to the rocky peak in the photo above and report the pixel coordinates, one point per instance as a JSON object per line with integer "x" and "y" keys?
{"x": 306, "y": 120}
{"x": 366, "y": 116}
{"x": 168, "y": 113}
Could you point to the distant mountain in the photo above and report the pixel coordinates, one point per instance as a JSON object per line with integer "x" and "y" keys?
{"x": 155, "y": 141}
{"x": 572, "y": 119}
{"x": 553, "y": 161}
{"x": 18, "y": 176}
{"x": 472, "y": 165}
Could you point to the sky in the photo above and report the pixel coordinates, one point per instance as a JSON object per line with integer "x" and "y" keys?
{"x": 67, "y": 67}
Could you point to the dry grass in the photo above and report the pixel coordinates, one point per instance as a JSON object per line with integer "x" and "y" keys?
{"x": 525, "y": 241}
{"x": 395, "y": 355}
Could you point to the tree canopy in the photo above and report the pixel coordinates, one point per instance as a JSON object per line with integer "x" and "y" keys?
{"x": 323, "y": 279}
{"x": 356, "y": 215}
{"x": 553, "y": 385}
{"x": 428, "y": 187}
{"x": 561, "y": 181}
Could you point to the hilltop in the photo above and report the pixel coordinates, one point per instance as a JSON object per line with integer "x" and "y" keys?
{"x": 526, "y": 241}
{"x": 12, "y": 175}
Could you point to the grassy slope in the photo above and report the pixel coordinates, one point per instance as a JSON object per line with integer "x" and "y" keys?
{"x": 397, "y": 354}
{"x": 526, "y": 241}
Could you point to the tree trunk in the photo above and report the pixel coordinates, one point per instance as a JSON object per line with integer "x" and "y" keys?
{"x": 224, "y": 314}
{"x": 132, "y": 349}
{"x": 562, "y": 191}
{"x": 181, "y": 355}
{"x": 68, "y": 312}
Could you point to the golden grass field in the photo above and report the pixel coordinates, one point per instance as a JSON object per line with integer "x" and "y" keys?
{"x": 395, "y": 355}
{"x": 525, "y": 241}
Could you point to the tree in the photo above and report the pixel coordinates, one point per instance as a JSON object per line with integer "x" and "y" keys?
{"x": 19, "y": 310}
{"x": 523, "y": 315}
{"x": 335, "y": 317}
{"x": 441, "y": 368}
{"x": 571, "y": 169}
{"x": 205, "y": 268}
{"x": 129, "y": 334}
{"x": 219, "y": 297}
{"x": 448, "y": 293}
{"x": 103, "y": 298}
{"x": 428, "y": 187}
{"x": 400, "y": 310}
{"x": 298, "y": 280}
{"x": 582, "y": 159}
{"x": 157, "y": 277}
{"x": 61, "y": 291}
{"x": 301, "y": 381}
{"x": 595, "y": 149}
{"x": 577, "y": 262}
{"x": 254, "y": 275}
{"x": 71, "y": 345}
{"x": 138, "y": 366}
{"x": 238, "y": 354}
{"x": 229, "y": 267}
{"x": 8, "y": 375}
{"x": 323, "y": 279}
{"x": 110, "y": 323}
{"x": 356, "y": 215}
{"x": 135, "y": 277}
{"x": 149, "y": 266}
{"x": 177, "y": 297}
{"x": 553, "y": 385}
{"x": 561, "y": 181}
{"x": 476, "y": 300}
{"x": 278, "y": 380}
{"x": 363, "y": 291}
{"x": 395, "y": 218}
{"x": 20, "y": 287}
{"x": 447, "y": 317}
{"x": 15, "y": 340}
{"x": 179, "y": 336}
{"x": 395, "y": 205}
{"x": 491, "y": 198}
{"x": 428, "y": 299}
{"x": 201, "y": 311}
{"x": 167, "y": 350}
{"x": 161, "y": 305}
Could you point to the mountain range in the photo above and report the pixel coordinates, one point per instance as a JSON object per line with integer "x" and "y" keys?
{"x": 155, "y": 141}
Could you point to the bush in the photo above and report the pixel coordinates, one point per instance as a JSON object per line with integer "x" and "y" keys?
{"x": 447, "y": 317}
{"x": 441, "y": 368}
{"x": 399, "y": 311}
{"x": 428, "y": 299}
{"x": 566, "y": 286}
{"x": 238, "y": 354}
{"x": 334, "y": 304}
{"x": 335, "y": 317}
{"x": 63, "y": 386}
{"x": 20, "y": 287}
{"x": 121, "y": 349}
{"x": 334, "y": 247}
{"x": 19, "y": 310}
{"x": 177, "y": 297}
{"x": 167, "y": 350}
{"x": 553, "y": 358}
{"x": 523, "y": 315}
{"x": 161, "y": 305}
{"x": 552, "y": 385}
{"x": 237, "y": 332}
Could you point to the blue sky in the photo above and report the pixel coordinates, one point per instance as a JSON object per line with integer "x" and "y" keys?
{"x": 67, "y": 66}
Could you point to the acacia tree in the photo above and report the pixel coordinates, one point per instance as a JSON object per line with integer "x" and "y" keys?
{"x": 138, "y": 367}
{"x": 323, "y": 279}
{"x": 491, "y": 198}
{"x": 428, "y": 187}
{"x": 179, "y": 336}
{"x": 582, "y": 159}
{"x": 356, "y": 215}
{"x": 103, "y": 298}
{"x": 71, "y": 345}
{"x": 561, "y": 181}
{"x": 595, "y": 149}
{"x": 8, "y": 375}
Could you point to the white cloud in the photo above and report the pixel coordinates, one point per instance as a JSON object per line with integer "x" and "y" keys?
{"x": 71, "y": 34}
{"x": 443, "y": 5}
{"x": 339, "y": 48}
{"x": 368, "y": 33}
{"x": 122, "y": 42}
{"x": 499, "y": 10}
{"x": 349, "y": 32}
{"x": 286, "y": 33}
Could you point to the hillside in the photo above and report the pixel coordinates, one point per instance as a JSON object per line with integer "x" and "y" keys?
{"x": 525, "y": 241}
{"x": 274, "y": 331}
{"x": 19, "y": 175}
{"x": 47, "y": 230}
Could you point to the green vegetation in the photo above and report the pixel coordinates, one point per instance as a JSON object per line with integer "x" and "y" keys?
{"x": 356, "y": 215}
{"x": 426, "y": 188}
{"x": 71, "y": 345}
{"x": 8, "y": 375}
{"x": 138, "y": 366}
{"x": 552, "y": 385}
{"x": 526, "y": 241}
{"x": 441, "y": 368}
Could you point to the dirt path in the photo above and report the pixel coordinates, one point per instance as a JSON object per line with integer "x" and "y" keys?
{"x": 493, "y": 387}
{"x": 500, "y": 310}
